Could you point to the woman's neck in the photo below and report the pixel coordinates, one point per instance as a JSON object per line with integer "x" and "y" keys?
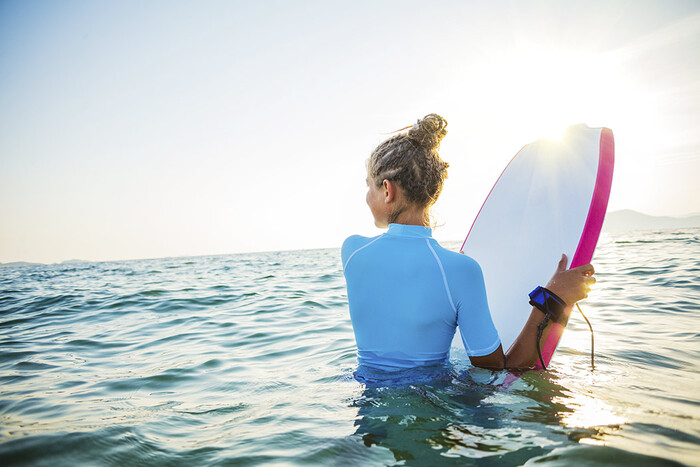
{"x": 412, "y": 215}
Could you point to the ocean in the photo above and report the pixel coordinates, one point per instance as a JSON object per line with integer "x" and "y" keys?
{"x": 248, "y": 359}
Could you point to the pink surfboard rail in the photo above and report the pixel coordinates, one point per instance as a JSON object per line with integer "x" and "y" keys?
{"x": 591, "y": 230}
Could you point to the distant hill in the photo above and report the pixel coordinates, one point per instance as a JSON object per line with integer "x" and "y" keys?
{"x": 627, "y": 219}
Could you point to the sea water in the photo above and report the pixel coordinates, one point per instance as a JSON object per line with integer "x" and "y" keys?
{"x": 248, "y": 359}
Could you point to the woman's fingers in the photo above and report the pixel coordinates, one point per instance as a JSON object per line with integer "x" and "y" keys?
{"x": 586, "y": 269}
{"x": 562, "y": 263}
{"x": 573, "y": 284}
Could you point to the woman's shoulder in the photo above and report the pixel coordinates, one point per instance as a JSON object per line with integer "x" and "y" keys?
{"x": 355, "y": 240}
{"x": 454, "y": 259}
{"x": 354, "y": 243}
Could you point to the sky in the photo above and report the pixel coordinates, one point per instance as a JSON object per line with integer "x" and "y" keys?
{"x": 151, "y": 129}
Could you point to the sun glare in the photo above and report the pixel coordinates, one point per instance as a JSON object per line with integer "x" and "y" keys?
{"x": 585, "y": 412}
{"x": 555, "y": 133}
{"x": 546, "y": 92}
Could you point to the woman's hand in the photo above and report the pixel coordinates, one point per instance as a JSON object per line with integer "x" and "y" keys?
{"x": 571, "y": 286}
{"x": 574, "y": 284}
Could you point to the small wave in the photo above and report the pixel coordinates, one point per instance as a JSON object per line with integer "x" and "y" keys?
{"x": 653, "y": 359}
{"x": 153, "y": 293}
{"x": 33, "y": 366}
{"x": 223, "y": 410}
{"x": 327, "y": 277}
{"x": 184, "y": 336}
{"x": 119, "y": 445}
{"x": 633, "y": 242}
{"x": 52, "y": 301}
{"x": 9, "y": 356}
{"x": 313, "y": 304}
{"x": 170, "y": 379}
{"x": 80, "y": 343}
{"x": 598, "y": 455}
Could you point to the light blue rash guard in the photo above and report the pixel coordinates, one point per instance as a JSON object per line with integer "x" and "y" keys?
{"x": 407, "y": 295}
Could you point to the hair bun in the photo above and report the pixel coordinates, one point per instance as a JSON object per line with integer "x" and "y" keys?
{"x": 429, "y": 131}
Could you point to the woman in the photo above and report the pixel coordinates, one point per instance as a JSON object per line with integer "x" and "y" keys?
{"x": 407, "y": 294}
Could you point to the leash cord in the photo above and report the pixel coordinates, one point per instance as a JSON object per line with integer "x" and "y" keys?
{"x": 543, "y": 324}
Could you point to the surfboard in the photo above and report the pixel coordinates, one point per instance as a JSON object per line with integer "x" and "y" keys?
{"x": 550, "y": 199}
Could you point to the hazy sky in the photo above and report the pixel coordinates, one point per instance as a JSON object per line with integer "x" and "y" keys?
{"x": 148, "y": 129}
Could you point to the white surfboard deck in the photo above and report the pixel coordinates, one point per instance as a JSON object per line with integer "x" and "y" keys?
{"x": 550, "y": 199}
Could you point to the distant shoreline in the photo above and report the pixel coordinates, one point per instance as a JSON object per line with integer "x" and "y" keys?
{"x": 617, "y": 221}
{"x": 627, "y": 220}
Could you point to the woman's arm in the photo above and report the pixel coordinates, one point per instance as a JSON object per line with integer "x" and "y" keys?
{"x": 571, "y": 286}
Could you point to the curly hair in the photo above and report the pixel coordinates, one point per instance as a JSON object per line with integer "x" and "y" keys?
{"x": 411, "y": 160}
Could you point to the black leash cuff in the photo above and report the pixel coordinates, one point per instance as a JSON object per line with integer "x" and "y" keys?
{"x": 548, "y": 302}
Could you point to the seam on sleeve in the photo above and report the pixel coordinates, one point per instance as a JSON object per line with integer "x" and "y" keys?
{"x": 362, "y": 247}
{"x": 444, "y": 277}
{"x": 484, "y": 351}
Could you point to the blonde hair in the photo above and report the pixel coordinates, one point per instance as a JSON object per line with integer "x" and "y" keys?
{"x": 411, "y": 160}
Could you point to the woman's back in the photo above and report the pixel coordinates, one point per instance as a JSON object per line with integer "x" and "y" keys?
{"x": 407, "y": 295}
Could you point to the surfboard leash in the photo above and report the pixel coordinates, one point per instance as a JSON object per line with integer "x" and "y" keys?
{"x": 540, "y": 329}
{"x": 592, "y": 338}
{"x": 543, "y": 324}
{"x": 552, "y": 306}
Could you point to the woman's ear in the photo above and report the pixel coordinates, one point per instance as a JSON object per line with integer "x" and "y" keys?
{"x": 389, "y": 191}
